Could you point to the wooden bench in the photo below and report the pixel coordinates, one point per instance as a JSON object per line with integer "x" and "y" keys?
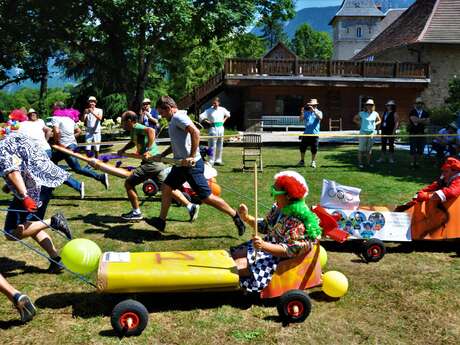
{"x": 281, "y": 121}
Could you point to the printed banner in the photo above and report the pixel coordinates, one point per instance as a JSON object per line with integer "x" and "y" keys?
{"x": 385, "y": 226}
{"x": 335, "y": 195}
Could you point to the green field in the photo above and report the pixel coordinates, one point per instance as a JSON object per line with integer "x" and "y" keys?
{"x": 412, "y": 296}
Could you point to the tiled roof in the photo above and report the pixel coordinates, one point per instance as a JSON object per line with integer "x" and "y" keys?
{"x": 358, "y": 8}
{"x": 390, "y": 16}
{"x": 426, "y": 21}
{"x": 444, "y": 25}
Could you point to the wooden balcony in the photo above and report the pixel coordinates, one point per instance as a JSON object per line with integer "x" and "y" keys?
{"x": 289, "y": 67}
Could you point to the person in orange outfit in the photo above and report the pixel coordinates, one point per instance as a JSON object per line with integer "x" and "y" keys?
{"x": 447, "y": 187}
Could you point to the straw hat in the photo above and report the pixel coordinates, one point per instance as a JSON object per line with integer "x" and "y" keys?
{"x": 313, "y": 101}
{"x": 92, "y": 99}
{"x": 370, "y": 102}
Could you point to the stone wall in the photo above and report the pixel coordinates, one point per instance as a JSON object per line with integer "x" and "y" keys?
{"x": 445, "y": 64}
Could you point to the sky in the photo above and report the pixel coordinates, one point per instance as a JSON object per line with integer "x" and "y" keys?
{"x": 316, "y": 3}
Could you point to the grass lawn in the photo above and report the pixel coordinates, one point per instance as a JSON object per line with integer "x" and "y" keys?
{"x": 412, "y": 296}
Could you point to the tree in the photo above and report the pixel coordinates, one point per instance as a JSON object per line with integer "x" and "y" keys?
{"x": 310, "y": 44}
{"x": 41, "y": 27}
{"x": 204, "y": 62}
{"x": 123, "y": 46}
{"x": 453, "y": 101}
{"x": 273, "y": 15}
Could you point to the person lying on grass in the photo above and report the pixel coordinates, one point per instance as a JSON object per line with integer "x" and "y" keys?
{"x": 290, "y": 229}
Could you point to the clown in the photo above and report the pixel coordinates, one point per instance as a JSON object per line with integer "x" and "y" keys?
{"x": 447, "y": 187}
{"x": 290, "y": 230}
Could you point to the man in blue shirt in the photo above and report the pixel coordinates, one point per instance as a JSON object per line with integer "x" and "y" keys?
{"x": 312, "y": 117}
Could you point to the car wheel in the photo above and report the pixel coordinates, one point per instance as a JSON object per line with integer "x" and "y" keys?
{"x": 129, "y": 318}
{"x": 150, "y": 188}
{"x": 373, "y": 250}
{"x": 294, "y": 306}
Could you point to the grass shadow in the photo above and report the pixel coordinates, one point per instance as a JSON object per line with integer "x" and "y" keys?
{"x": 10, "y": 324}
{"x": 12, "y": 268}
{"x": 91, "y": 304}
{"x": 126, "y": 234}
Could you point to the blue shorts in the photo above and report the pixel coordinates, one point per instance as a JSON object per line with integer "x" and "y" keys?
{"x": 14, "y": 218}
{"x": 194, "y": 176}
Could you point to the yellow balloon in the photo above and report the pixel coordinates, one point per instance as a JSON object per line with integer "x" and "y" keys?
{"x": 322, "y": 257}
{"x": 335, "y": 284}
{"x": 81, "y": 255}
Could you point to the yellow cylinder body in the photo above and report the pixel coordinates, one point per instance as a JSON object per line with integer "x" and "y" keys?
{"x": 167, "y": 271}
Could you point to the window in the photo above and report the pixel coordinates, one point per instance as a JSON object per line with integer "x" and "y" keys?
{"x": 359, "y": 32}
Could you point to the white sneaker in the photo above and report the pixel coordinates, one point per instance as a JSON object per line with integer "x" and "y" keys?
{"x": 82, "y": 190}
{"x": 313, "y": 164}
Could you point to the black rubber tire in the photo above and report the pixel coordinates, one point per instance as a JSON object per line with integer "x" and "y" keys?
{"x": 133, "y": 309}
{"x": 150, "y": 188}
{"x": 294, "y": 298}
{"x": 373, "y": 250}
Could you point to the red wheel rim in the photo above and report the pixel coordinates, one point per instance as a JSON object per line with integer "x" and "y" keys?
{"x": 374, "y": 251}
{"x": 124, "y": 320}
{"x": 295, "y": 308}
{"x": 149, "y": 188}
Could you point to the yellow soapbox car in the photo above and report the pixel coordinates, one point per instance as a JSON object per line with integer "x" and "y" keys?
{"x": 190, "y": 271}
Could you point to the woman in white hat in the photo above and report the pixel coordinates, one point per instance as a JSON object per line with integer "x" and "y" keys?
{"x": 368, "y": 121}
{"x": 390, "y": 123}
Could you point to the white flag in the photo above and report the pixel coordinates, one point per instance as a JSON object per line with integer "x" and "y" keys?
{"x": 335, "y": 195}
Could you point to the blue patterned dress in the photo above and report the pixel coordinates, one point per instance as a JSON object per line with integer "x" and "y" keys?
{"x": 19, "y": 153}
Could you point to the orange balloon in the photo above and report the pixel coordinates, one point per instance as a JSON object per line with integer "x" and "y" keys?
{"x": 215, "y": 188}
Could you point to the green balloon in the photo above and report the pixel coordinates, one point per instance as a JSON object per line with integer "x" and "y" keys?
{"x": 81, "y": 255}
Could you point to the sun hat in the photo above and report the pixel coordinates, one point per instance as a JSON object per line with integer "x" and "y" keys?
{"x": 146, "y": 100}
{"x": 31, "y": 110}
{"x": 391, "y": 102}
{"x": 313, "y": 101}
{"x": 370, "y": 102}
{"x": 92, "y": 99}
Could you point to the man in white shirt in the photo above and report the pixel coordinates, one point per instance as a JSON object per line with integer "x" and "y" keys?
{"x": 215, "y": 117}
{"x": 92, "y": 117}
{"x": 65, "y": 130}
{"x": 36, "y": 129}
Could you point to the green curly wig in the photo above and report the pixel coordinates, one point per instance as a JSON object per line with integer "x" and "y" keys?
{"x": 300, "y": 210}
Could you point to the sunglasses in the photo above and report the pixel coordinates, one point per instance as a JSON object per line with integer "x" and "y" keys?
{"x": 274, "y": 192}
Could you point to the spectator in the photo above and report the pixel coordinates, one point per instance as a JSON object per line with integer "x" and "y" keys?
{"x": 149, "y": 117}
{"x": 446, "y": 142}
{"x": 368, "y": 121}
{"x": 418, "y": 119}
{"x": 214, "y": 117}
{"x": 390, "y": 123}
{"x": 312, "y": 117}
{"x": 92, "y": 117}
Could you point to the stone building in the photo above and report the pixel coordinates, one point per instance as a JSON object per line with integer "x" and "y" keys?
{"x": 354, "y": 26}
{"x": 427, "y": 32}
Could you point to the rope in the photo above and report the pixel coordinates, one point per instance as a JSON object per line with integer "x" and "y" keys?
{"x": 79, "y": 276}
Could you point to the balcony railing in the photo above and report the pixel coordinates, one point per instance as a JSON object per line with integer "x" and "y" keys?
{"x": 289, "y": 67}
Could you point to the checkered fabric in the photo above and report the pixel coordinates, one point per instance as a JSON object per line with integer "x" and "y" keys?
{"x": 262, "y": 266}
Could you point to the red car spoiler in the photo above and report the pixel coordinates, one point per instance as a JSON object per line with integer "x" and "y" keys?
{"x": 329, "y": 224}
